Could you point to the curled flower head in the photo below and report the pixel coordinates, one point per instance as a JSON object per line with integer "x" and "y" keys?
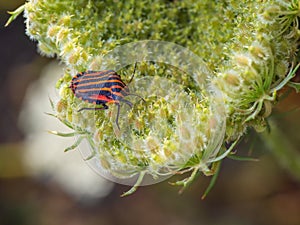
{"x": 181, "y": 116}
{"x": 249, "y": 50}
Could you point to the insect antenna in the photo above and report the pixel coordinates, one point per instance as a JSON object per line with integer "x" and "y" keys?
{"x": 118, "y": 114}
{"x": 131, "y": 80}
{"x": 133, "y": 73}
{"x": 137, "y": 96}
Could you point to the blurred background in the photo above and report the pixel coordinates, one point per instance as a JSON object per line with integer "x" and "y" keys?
{"x": 42, "y": 185}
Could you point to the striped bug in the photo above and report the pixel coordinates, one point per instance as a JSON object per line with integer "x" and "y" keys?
{"x": 100, "y": 88}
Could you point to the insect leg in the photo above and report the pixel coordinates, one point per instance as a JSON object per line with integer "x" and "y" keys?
{"x": 104, "y": 108}
{"x": 127, "y": 102}
{"x": 118, "y": 113}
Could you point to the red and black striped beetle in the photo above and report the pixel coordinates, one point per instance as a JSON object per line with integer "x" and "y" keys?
{"x": 100, "y": 88}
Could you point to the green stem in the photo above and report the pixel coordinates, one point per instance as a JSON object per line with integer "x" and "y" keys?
{"x": 282, "y": 149}
{"x": 213, "y": 180}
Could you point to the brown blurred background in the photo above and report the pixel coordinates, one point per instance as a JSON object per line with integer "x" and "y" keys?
{"x": 245, "y": 193}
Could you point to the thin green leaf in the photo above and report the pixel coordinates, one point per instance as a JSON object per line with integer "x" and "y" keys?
{"x": 50, "y": 114}
{"x": 295, "y": 85}
{"x": 14, "y": 14}
{"x": 136, "y": 185}
{"x": 242, "y": 158}
{"x": 287, "y": 79}
{"x": 52, "y": 104}
{"x": 92, "y": 144}
{"x": 220, "y": 157}
{"x": 62, "y": 134}
{"x": 187, "y": 181}
{"x": 75, "y": 145}
{"x": 213, "y": 180}
{"x": 67, "y": 123}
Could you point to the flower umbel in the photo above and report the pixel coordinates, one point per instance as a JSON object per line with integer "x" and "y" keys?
{"x": 249, "y": 50}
